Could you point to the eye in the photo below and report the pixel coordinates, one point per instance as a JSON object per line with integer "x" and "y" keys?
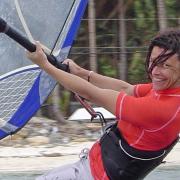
{"x": 165, "y": 65}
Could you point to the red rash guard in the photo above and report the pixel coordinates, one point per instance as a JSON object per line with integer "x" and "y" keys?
{"x": 149, "y": 120}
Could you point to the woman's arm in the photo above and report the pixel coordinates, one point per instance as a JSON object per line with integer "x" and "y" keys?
{"x": 103, "y": 97}
{"x": 100, "y": 80}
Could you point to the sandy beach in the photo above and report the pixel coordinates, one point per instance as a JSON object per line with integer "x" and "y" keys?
{"x": 33, "y": 151}
{"x": 41, "y": 159}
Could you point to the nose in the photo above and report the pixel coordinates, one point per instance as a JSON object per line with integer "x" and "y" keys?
{"x": 156, "y": 70}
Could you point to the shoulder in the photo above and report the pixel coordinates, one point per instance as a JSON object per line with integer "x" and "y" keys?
{"x": 141, "y": 90}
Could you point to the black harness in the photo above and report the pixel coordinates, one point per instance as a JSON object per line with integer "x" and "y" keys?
{"x": 123, "y": 162}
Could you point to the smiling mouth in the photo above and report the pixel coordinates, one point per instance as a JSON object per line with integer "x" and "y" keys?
{"x": 155, "y": 80}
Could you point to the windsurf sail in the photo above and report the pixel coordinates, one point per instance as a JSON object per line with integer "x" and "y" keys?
{"x": 23, "y": 86}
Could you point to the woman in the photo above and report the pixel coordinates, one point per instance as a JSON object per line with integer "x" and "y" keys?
{"x": 148, "y": 115}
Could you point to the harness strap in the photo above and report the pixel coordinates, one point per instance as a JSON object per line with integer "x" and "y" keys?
{"x": 118, "y": 157}
{"x": 140, "y": 158}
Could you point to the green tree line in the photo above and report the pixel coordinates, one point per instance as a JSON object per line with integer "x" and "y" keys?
{"x": 121, "y": 33}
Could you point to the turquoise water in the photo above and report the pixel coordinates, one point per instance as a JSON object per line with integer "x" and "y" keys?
{"x": 18, "y": 175}
{"x": 161, "y": 173}
{"x": 165, "y": 173}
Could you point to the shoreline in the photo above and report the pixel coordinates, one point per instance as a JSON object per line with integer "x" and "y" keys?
{"x": 41, "y": 158}
{"x": 26, "y": 159}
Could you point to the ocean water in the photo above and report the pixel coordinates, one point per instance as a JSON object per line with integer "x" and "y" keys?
{"x": 18, "y": 175}
{"x": 165, "y": 173}
{"x": 161, "y": 173}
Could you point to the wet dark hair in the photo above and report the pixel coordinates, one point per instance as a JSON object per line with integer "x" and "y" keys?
{"x": 169, "y": 40}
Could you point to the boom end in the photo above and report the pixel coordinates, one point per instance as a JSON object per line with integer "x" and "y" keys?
{"x": 3, "y": 25}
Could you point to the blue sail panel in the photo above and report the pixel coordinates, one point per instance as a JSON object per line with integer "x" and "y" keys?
{"x": 25, "y": 87}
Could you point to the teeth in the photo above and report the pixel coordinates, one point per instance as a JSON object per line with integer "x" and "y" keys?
{"x": 157, "y": 80}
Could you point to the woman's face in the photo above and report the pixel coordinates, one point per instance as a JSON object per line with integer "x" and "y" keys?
{"x": 165, "y": 75}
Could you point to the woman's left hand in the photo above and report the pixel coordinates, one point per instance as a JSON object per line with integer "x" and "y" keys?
{"x": 73, "y": 67}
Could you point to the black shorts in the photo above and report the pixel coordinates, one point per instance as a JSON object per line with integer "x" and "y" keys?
{"x": 123, "y": 162}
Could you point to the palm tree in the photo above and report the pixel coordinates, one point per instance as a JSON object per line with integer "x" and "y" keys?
{"x": 122, "y": 41}
{"x": 55, "y": 107}
{"x": 161, "y": 10}
{"x": 92, "y": 35}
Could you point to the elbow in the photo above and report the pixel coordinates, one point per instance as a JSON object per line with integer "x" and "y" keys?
{"x": 88, "y": 95}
